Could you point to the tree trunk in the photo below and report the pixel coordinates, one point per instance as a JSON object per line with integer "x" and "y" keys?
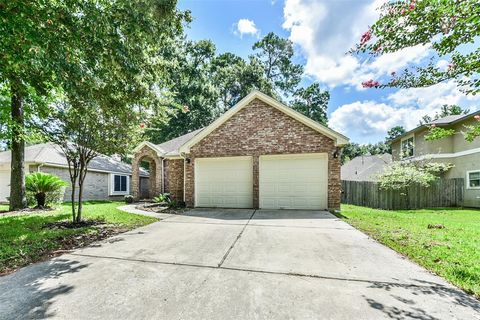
{"x": 40, "y": 197}
{"x": 74, "y": 214}
{"x": 18, "y": 199}
{"x": 80, "y": 194}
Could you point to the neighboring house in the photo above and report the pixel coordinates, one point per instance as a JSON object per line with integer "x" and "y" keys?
{"x": 107, "y": 178}
{"x": 365, "y": 168}
{"x": 454, "y": 149}
{"x": 258, "y": 154}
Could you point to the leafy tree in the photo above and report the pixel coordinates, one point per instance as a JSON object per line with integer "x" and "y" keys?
{"x": 353, "y": 150}
{"x": 50, "y": 46}
{"x": 84, "y": 130}
{"x": 442, "y": 25}
{"x": 42, "y": 184}
{"x": 402, "y": 175}
{"x": 394, "y": 133}
{"x": 312, "y": 102}
{"x": 445, "y": 110}
{"x": 275, "y": 55}
{"x": 446, "y": 27}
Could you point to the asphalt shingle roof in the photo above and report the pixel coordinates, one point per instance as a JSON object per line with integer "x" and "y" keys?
{"x": 48, "y": 153}
{"x": 365, "y": 168}
{"x": 171, "y": 147}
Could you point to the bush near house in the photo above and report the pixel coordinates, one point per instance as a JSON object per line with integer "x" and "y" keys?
{"x": 44, "y": 189}
{"x": 28, "y": 238}
{"x": 443, "y": 240}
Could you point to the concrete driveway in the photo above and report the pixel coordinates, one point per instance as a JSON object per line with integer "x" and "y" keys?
{"x": 234, "y": 264}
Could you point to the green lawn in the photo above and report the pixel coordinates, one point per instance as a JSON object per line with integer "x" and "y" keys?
{"x": 23, "y": 240}
{"x": 452, "y": 252}
{"x": 3, "y": 207}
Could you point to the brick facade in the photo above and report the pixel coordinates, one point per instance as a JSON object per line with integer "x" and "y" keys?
{"x": 173, "y": 171}
{"x": 260, "y": 129}
{"x": 147, "y": 154}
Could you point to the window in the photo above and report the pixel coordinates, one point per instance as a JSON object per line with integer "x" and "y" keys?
{"x": 473, "y": 179}
{"x": 119, "y": 184}
{"x": 407, "y": 148}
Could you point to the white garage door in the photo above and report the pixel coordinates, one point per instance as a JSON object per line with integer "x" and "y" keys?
{"x": 4, "y": 185}
{"x": 224, "y": 182}
{"x": 294, "y": 181}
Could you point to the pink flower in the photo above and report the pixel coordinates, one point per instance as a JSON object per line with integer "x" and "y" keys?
{"x": 185, "y": 109}
{"x": 142, "y": 125}
{"x": 370, "y": 83}
{"x": 403, "y": 11}
{"x": 412, "y": 5}
{"x": 477, "y": 117}
{"x": 451, "y": 66}
{"x": 366, "y": 37}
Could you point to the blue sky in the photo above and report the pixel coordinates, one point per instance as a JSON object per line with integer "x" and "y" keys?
{"x": 322, "y": 31}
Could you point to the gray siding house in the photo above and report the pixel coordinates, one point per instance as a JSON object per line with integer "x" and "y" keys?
{"x": 464, "y": 155}
{"x": 107, "y": 178}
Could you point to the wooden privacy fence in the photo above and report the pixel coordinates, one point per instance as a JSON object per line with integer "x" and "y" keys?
{"x": 441, "y": 193}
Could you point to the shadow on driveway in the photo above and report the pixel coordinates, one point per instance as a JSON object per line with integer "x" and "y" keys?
{"x": 22, "y": 295}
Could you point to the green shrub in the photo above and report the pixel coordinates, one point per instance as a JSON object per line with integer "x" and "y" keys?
{"x": 44, "y": 189}
{"x": 128, "y": 198}
{"x": 163, "y": 198}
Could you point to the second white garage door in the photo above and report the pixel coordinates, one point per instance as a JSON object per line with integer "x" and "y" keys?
{"x": 294, "y": 181}
{"x": 224, "y": 182}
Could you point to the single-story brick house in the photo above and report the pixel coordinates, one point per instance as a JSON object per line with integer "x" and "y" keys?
{"x": 107, "y": 178}
{"x": 258, "y": 154}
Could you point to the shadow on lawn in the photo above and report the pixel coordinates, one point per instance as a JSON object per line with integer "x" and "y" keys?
{"x": 427, "y": 288}
{"x": 26, "y": 294}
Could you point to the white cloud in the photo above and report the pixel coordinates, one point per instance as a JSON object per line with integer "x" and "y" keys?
{"x": 246, "y": 26}
{"x": 325, "y": 30}
{"x": 369, "y": 120}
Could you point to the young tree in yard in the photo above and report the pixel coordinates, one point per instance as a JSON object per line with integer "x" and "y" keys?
{"x": 50, "y": 46}
{"x": 85, "y": 130}
{"x": 448, "y": 28}
{"x": 312, "y": 102}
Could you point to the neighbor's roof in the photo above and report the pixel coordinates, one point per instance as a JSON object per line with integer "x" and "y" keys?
{"x": 48, "y": 153}
{"x": 365, "y": 168}
{"x": 445, "y": 121}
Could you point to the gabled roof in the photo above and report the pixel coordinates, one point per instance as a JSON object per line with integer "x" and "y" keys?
{"x": 365, "y": 168}
{"x": 445, "y": 121}
{"x": 337, "y": 137}
{"x": 51, "y": 154}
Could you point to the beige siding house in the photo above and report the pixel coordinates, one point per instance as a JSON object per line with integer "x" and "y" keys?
{"x": 107, "y": 178}
{"x": 464, "y": 155}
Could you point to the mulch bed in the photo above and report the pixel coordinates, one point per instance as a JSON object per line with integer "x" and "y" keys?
{"x": 160, "y": 208}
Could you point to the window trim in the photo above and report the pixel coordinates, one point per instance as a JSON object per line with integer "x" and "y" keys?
{"x": 411, "y": 136}
{"x": 468, "y": 179}
{"x": 112, "y": 185}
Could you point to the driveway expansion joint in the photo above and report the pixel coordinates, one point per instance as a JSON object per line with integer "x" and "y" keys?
{"x": 236, "y": 240}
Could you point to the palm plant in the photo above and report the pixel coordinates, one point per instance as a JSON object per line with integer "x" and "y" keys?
{"x": 40, "y": 184}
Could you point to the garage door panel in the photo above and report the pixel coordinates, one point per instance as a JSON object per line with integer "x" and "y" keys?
{"x": 224, "y": 182}
{"x": 294, "y": 181}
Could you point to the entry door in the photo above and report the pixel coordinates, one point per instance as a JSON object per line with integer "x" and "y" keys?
{"x": 224, "y": 182}
{"x": 294, "y": 181}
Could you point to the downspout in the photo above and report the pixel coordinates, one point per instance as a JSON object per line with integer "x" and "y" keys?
{"x": 163, "y": 176}
{"x": 183, "y": 156}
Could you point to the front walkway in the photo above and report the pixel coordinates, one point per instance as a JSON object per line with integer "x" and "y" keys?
{"x": 234, "y": 264}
